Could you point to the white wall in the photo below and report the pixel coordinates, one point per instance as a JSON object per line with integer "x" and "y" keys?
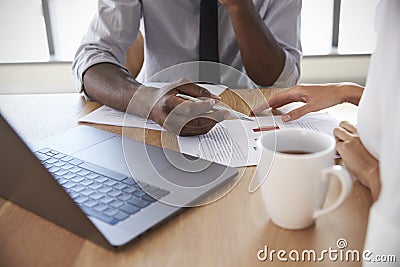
{"x": 36, "y": 78}
{"x": 320, "y": 69}
{"x": 57, "y": 77}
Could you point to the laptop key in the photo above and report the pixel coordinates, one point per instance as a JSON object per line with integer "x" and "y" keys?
{"x": 47, "y": 165}
{"x": 84, "y": 172}
{"x": 75, "y": 169}
{"x": 160, "y": 193}
{"x": 54, "y": 169}
{"x": 50, "y": 154}
{"x": 59, "y": 163}
{"x": 114, "y": 193}
{"x": 81, "y": 199}
{"x": 124, "y": 197}
{"x": 95, "y": 185}
{"x": 98, "y": 215}
{"x": 100, "y": 207}
{"x": 70, "y": 175}
{"x": 90, "y": 203}
{"x": 97, "y": 195}
{"x": 103, "y": 171}
{"x": 139, "y": 193}
{"x": 129, "y": 209}
{"x": 101, "y": 179}
{"x": 62, "y": 181}
{"x": 129, "y": 189}
{"x": 106, "y": 200}
{"x": 67, "y": 158}
{"x": 78, "y": 188}
{"x": 110, "y": 212}
{"x": 105, "y": 189}
{"x": 61, "y": 172}
{"x": 119, "y": 186}
{"x": 92, "y": 175}
{"x": 67, "y": 166}
{"x": 120, "y": 216}
{"x": 78, "y": 179}
{"x": 45, "y": 150}
{"x": 86, "y": 182}
{"x": 129, "y": 181}
{"x": 51, "y": 160}
{"x": 41, "y": 157}
{"x": 116, "y": 204}
{"x": 149, "y": 198}
{"x": 151, "y": 189}
{"x": 73, "y": 195}
{"x": 138, "y": 202}
{"x": 88, "y": 192}
{"x": 59, "y": 156}
{"x": 69, "y": 185}
{"x": 110, "y": 182}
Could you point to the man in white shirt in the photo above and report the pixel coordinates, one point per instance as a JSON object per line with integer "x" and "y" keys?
{"x": 260, "y": 38}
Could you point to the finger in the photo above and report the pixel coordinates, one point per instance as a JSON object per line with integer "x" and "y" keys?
{"x": 339, "y": 147}
{"x": 348, "y": 126}
{"x": 297, "y": 113}
{"x": 284, "y": 98}
{"x": 201, "y": 124}
{"x": 193, "y": 109}
{"x": 172, "y": 101}
{"x": 205, "y": 120}
{"x": 342, "y": 134}
{"x": 195, "y": 91}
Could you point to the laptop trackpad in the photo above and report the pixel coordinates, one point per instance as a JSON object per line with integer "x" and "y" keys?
{"x": 148, "y": 164}
{"x": 107, "y": 154}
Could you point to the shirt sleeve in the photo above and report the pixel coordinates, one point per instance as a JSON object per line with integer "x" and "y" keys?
{"x": 383, "y": 233}
{"x": 282, "y": 17}
{"x": 113, "y": 29}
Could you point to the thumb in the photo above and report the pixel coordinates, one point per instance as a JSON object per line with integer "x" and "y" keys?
{"x": 296, "y": 113}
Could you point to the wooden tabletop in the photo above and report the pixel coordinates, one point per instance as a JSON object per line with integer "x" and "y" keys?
{"x": 228, "y": 232}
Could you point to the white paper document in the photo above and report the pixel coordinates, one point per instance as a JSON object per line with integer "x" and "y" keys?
{"x": 234, "y": 143}
{"x": 109, "y": 116}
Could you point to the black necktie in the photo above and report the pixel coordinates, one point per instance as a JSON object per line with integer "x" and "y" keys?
{"x": 208, "y": 47}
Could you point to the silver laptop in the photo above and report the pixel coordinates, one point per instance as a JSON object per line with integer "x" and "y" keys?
{"x": 80, "y": 180}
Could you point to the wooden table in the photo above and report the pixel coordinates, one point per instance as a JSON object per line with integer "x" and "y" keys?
{"x": 228, "y": 232}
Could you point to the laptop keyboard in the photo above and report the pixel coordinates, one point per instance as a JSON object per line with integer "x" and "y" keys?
{"x": 101, "y": 193}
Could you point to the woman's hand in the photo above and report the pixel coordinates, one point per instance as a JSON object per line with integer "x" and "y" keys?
{"x": 360, "y": 163}
{"x": 316, "y": 97}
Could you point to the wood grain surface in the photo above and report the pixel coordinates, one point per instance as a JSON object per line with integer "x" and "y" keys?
{"x": 228, "y": 232}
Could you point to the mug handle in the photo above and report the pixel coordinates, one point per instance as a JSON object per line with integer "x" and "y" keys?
{"x": 346, "y": 185}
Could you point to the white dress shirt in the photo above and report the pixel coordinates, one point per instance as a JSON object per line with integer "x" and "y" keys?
{"x": 172, "y": 35}
{"x": 379, "y": 129}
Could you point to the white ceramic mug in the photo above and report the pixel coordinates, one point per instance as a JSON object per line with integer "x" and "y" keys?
{"x": 296, "y": 184}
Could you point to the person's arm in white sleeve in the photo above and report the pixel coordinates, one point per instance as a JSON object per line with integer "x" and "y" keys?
{"x": 113, "y": 29}
{"x": 383, "y": 233}
{"x": 99, "y": 72}
{"x": 269, "y": 43}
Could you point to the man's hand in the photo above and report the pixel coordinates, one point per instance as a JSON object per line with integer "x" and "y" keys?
{"x": 115, "y": 87}
{"x": 316, "y": 97}
{"x": 361, "y": 164}
{"x": 175, "y": 114}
